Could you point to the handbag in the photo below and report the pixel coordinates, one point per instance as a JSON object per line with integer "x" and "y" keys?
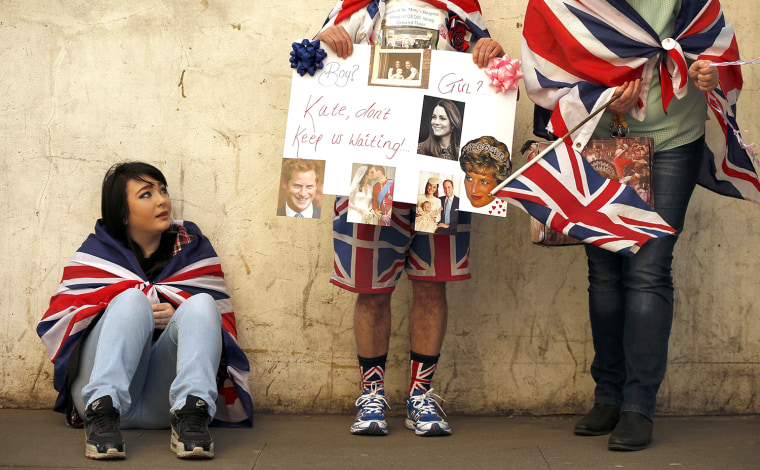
{"x": 627, "y": 160}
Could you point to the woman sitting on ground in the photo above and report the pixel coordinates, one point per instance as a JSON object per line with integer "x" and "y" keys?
{"x": 141, "y": 329}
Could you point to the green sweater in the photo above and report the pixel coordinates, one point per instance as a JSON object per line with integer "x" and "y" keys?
{"x": 685, "y": 121}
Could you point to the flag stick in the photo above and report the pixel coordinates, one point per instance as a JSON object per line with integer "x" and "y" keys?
{"x": 548, "y": 149}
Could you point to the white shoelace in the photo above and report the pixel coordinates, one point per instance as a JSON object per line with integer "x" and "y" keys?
{"x": 373, "y": 402}
{"x": 426, "y": 403}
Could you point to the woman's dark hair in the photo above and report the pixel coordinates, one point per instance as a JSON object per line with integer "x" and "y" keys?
{"x": 486, "y": 154}
{"x": 431, "y": 146}
{"x": 113, "y": 199}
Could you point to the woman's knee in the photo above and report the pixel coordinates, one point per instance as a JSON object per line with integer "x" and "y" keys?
{"x": 131, "y": 303}
{"x": 200, "y": 307}
{"x": 651, "y": 268}
{"x": 649, "y": 279}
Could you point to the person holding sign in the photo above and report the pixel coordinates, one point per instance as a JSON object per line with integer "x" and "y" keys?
{"x": 369, "y": 259}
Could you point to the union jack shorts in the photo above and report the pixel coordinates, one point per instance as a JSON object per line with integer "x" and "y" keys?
{"x": 369, "y": 258}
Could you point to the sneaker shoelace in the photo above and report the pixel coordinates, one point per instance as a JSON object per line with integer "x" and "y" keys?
{"x": 426, "y": 403}
{"x": 194, "y": 420}
{"x": 372, "y": 402}
{"x": 104, "y": 421}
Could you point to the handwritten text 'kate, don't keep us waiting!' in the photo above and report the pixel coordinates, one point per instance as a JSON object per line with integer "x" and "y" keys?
{"x": 319, "y": 109}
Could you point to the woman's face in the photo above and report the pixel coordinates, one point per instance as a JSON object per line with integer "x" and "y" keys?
{"x": 440, "y": 123}
{"x": 149, "y": 208}
{"x": 477, "y": 186}
{"x": 431, "y": 189}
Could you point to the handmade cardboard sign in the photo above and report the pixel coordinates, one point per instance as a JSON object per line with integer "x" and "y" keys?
{"x": 413, "y": 111}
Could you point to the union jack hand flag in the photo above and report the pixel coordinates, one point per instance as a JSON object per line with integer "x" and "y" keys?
{"x": 563, "y": 191}
{"x": 576, "y": 52}
{"x": 103, "y": 268}
{"x": 467, "y": 10}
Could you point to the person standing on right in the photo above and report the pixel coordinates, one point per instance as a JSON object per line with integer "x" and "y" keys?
{"x": 656, "y": 57}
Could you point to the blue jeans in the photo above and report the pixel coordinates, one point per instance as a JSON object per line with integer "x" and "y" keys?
{"x": 631, "y": 299}
{"x": 149, "y": 380}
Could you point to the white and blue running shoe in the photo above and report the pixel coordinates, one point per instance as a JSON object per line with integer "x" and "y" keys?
{"x": 370, "y": 413}
{"x": 422, "y": 417}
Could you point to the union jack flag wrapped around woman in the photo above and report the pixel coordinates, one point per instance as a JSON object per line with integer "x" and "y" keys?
{"x": 576, "y": 52}
{"x": 103, "y": 268}
{"x": 467, "y": 11}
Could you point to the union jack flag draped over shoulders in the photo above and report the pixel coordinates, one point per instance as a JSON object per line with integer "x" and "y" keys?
{"x": 576, "y": 52}
{"x": 103, "y": 268}
{"x": 467, "y": 10}
{"x": 563, "y": 191}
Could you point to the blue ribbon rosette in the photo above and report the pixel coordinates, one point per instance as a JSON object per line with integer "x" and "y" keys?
{"x": 306, "y": 57}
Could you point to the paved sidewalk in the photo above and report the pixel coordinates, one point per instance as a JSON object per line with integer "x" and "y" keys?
{"x": 41, "y": 440}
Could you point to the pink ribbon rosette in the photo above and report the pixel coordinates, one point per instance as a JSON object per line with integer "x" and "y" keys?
{"x": 503, "y": 73}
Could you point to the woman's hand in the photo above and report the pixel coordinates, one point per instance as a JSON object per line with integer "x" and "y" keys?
{"x": 484, "y": 49}
{"x": 628, "y": 97}
{"x": 442, "y": 225}
{"x": 338, "y": 39}
{"x": 704, "y": 76}
{"x": 162, "y": 313}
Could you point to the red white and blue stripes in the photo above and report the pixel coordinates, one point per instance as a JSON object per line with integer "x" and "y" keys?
{"x": 467, "y": 10}
{"x": 102, "y": 268}
{"x": 576, "y": 52}
{"x": 563, "y": 191}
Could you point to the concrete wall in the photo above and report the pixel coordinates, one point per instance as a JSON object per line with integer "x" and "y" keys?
{"x": 200, "y": 88}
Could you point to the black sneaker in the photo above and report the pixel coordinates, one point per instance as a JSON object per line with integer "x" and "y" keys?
{"x": 190, "y": 436}
{"x": 101, "y": 427}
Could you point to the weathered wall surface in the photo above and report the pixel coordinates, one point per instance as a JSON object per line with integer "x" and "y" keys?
{"x": 200, "y": 88}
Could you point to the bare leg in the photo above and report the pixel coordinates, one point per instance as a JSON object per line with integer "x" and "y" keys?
{"x": 427, "y": 327}
{"x": 372, "y": 324}
{"x": 429, "y": 316}
{"x": 372, "y": 330}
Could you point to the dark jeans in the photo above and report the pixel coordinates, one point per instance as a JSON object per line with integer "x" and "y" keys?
{"x": 631, "y": 299}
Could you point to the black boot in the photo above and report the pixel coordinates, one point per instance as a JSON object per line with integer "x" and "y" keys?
{"x": 600, "y": 420}
{"x": 633, "y": 432}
